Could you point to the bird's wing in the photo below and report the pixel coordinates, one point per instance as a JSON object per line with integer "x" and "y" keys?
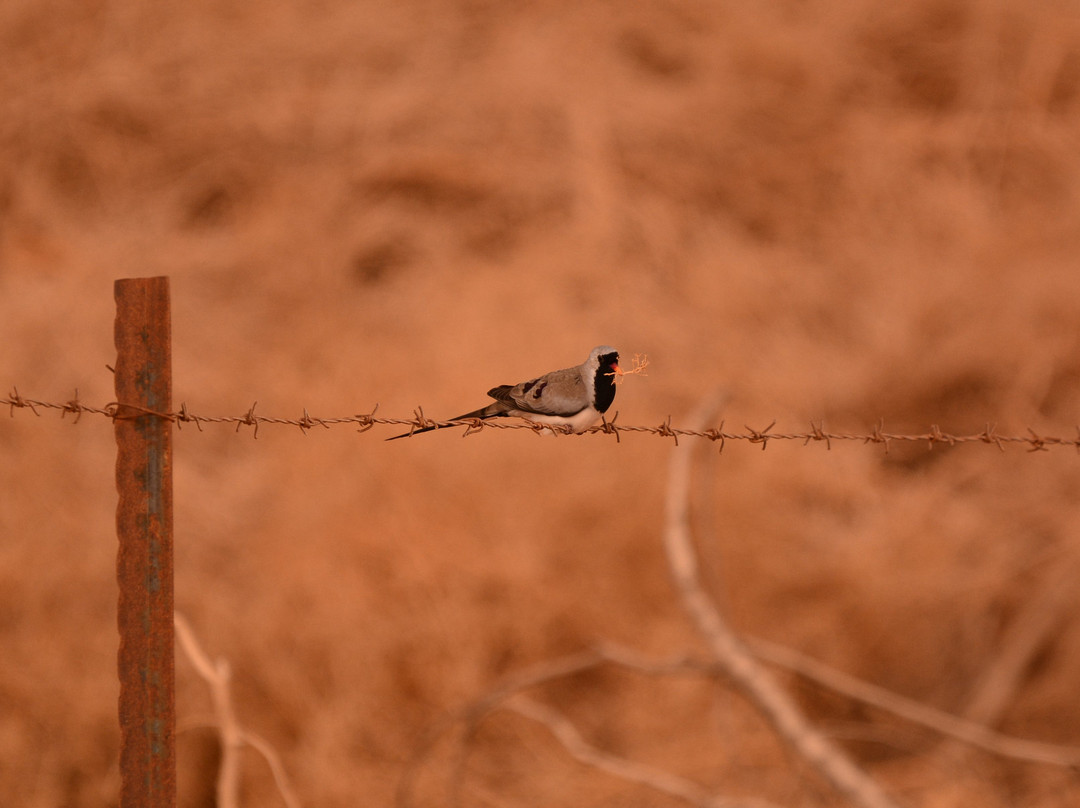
{"x": 561, "y": 392}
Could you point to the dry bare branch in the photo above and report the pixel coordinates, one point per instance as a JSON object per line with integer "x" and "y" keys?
{"x": 952, "y": 726}
{"x": 736, "y": 661}
{"x": 508, "y": 695}
{"x": 606, "y": 653}
{"x": 966, "y": 731}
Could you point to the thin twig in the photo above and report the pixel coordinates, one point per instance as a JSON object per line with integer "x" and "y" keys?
{"x": 1026, "y": 635}
{"x": 273, "y": 760}
{"x": 738, "y": 664}
{"x": 969, "y": 732}
{"x": 233, "y": 737}
{"x": 217, "y": 676}
{"x": 507, "y": 695}
{"x": 581, "y": 750}
{"x": 472, "y": 714}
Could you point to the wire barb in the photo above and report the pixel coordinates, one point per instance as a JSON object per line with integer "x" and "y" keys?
{"x": 762, "y": 436}
{"x": 307, "y": 422}
{"x": 609, "y": 427}
{"x": 717, "y": 435}
{"x": 878, "y": 435}
{"x": 73, "y": 406}
{"x": 184, "y": 417}
{"x": 666, "y": 431}
{"x": 15, "y": 400}
{"x": 473, "y": 426}
{"x": 249, "y": 419}
{"x": 989, "y": 435}
{"x": 1038, "y": 444}
{"x": 367, "y": 421}
{"x": 817, "y": 432}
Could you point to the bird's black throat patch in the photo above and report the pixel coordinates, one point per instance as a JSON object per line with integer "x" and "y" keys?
{"x": 604, "y": 383}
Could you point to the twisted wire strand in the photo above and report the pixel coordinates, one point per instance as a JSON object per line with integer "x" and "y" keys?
{"x": 934, "y": 436}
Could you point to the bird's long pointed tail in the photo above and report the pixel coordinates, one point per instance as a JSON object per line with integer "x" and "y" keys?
{"x": 490, "y": 411}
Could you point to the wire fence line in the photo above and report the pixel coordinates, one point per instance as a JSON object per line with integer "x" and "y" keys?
{"x": 934, "y": 436}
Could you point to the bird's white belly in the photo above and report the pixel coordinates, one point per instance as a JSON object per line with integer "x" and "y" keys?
{"x": 578, "y": 423}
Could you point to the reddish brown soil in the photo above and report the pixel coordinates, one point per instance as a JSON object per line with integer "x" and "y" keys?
{"x": 833, "y": 211}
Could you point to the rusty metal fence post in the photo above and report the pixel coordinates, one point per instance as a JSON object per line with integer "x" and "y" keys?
{"x": 144, "y": 526}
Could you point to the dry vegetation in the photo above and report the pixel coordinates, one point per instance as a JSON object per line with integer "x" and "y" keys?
{"x": 840, "y": 210}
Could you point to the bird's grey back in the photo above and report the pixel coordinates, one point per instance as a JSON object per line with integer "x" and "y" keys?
{"x": 561, "y": 392}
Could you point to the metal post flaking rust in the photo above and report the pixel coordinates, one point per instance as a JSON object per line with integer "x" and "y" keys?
{"x": 144, "y": 526}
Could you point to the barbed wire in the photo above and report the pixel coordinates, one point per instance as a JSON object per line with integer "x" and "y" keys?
{"x": 934, "y": 436}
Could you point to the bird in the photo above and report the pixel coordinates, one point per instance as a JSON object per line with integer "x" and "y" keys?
{"x": 574, "y": 397}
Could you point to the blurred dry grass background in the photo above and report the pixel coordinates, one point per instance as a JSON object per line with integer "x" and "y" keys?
{"x": 834, "y": 210}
